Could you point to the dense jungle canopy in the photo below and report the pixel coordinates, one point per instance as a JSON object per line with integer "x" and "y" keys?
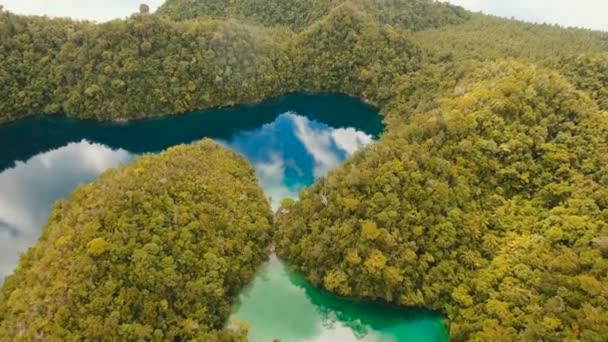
{"x": 486, "y": 199}
{"x": 491, "y": 208}
{"x": 200, "y": 54}
{"x": 156, "y": 250}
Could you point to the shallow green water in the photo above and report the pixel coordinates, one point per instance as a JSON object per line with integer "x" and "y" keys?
{"x": 280, "y": 304}
{"x": 290, "y": 141}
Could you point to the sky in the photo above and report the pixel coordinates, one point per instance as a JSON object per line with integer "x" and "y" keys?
{"x": 591, "y": 14}
{"x": 580, "y": 13}
{"x": 96, "y": 10}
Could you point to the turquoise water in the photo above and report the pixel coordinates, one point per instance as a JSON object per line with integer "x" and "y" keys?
{"x": 290, "y": 141}
{"x": 280, "y": 304}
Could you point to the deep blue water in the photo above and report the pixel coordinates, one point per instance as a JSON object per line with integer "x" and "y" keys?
{"x": 24, "y": 139}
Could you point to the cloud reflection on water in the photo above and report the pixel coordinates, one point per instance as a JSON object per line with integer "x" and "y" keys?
{"x": 291, "y": 152}
{"x": 30, "y": 188}
{"x": 287, "y": 154}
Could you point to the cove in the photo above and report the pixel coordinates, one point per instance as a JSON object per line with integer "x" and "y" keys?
{"x": 280, "y": 304}
{"x": 290, "y": 141}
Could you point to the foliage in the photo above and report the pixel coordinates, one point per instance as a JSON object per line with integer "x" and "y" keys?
{"x": 548, "y": 45}
{"x": 298, "y": 14}
{"x": 150, "y": 65}
{"x": 355, "y": 56}
{"x": 588, "y": 72}
{"x": 144, "y": 66}
{"x": 293, "y": 14}
{"x": 156, "y": 250}
{"x": 503, "y": 38}
{"x": 489, "y": 208}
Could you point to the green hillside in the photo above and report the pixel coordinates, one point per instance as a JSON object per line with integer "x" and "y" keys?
{"x": 298, "y": 14}
{"x": 156, "y": 250}
{"x": 144, "y": 66}
{"x": 348, "y": 52}
{"x": 490, "y": 209}
{"x": 244, "y": 51}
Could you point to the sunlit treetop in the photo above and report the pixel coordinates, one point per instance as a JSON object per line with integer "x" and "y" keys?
{"x": 492, "y": 208}
{"x": 155, "y": 250}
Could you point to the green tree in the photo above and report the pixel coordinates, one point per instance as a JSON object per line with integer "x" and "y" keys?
{"x": 156, "y": 250}
{"x": 144, "y": 9}
{"x": 487, "y": 208}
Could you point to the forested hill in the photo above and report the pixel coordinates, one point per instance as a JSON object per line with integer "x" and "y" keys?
{"x": 491, "y": 208}
{"x": 229, "y": 52}
{"x": 140, "y": 67}
{"x": 297, "y": 15}
{"x": 154, "y": 251}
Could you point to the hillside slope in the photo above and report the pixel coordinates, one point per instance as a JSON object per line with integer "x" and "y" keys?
{"x": 141, "y": 67}
{"x": 245, "y": 51}
{"x": 348, "y": 52}
{"x": 156, "y": 250}
{"x": 299, "y": 14}
{"x": 492, "y": 209}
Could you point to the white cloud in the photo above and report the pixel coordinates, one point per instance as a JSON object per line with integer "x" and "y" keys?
{"x": 96, "y": 10}
{"x": 30, "y": 188}
{"x": 324, "y": 144}
{"x": 337, "y": 331}
{"x": 591, "y": 14}
{"x": 350, "y": 140}
{"x": 274, "y": 151}
{"x": 318, "y": 144}
{"x": 272, "y": 177}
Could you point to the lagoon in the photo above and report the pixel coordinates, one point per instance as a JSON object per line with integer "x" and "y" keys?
{"x": 290, "y": 141}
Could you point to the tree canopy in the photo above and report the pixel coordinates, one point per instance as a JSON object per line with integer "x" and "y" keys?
{"x": 156, "y": 250}
{"x": 298, "y": 14}
{"x": 141, "y": 67}
{"x": 193, "y": 55}
{"x": 491, "y": 208}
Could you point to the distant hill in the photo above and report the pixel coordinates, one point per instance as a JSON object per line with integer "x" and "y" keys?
{"x": 221, "y": 53}
{"x": 298, "y": 14}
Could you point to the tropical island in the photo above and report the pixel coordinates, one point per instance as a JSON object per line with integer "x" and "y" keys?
{"x": 485, "y": 199}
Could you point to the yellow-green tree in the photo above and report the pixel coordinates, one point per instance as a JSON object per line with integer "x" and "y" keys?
{"x": 156, "y": 250}
{"x": 491, "y": 208}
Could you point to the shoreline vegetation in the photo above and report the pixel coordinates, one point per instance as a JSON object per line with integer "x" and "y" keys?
{"x": 150, "y": 65}
{"x": 492, "y": 210}
{"x": 263, "y": 101}
{"x": 486, "y": 199}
